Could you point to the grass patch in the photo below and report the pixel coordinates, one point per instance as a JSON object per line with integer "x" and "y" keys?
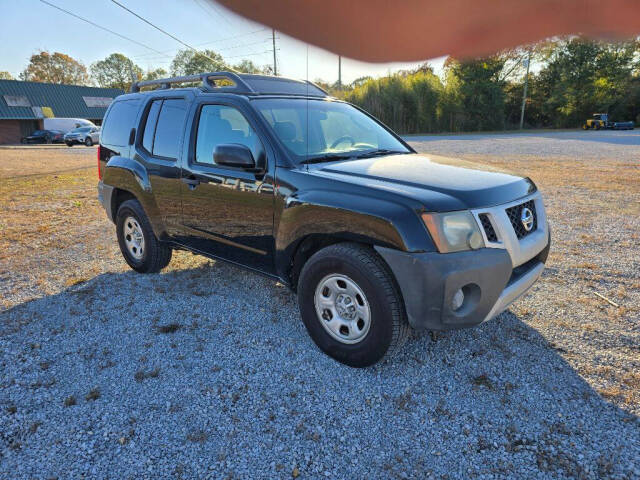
{"x": 141, "y": 375}
{"x": 93, "y": 395}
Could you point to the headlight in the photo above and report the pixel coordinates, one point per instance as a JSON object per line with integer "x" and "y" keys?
{"x": 453, "y": 231}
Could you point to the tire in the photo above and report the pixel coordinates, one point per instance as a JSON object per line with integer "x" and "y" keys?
{"x": 597, "y": 127}
{"x": 48, "y": 140}
{"x": 147, "y": 255}
{"x": 585, "y": 126}
{"x": 355, "y": 265}
{"x": 69, "y": 144}
{"x": 88, "y": 142}
{"x": 23, "y": 141}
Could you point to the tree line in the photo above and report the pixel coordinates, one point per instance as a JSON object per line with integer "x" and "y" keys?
{"x": 569, "y": 80}
{"x": 119, "y": 71}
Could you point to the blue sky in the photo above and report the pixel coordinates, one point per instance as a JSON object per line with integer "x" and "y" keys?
{"x": 27, "y": 26}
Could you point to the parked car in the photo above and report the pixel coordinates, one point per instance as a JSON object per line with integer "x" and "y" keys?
{"x": 83, "y": 135}
{"x": 274, "y": 175}
{"x": 65, "y": 124}
{"x": 44, "y": 136}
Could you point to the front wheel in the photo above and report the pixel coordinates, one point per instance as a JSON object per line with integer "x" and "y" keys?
{"x": 88, "y": 142}
{"x": 351, "y": 306}
{"x": 138, "y": 244}
{"x": 69, "y": 144}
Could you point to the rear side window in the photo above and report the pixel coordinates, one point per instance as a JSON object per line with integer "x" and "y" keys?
{"x": 169, "y": 128}
{"x": 119, "y": 122}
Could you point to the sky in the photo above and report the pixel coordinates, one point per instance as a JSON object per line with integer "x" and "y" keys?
{"x": 27, "y": 26}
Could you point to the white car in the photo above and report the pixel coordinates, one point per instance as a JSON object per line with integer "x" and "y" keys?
{"x": 86, "y": 135}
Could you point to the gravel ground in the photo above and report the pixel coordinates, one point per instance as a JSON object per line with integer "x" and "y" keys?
{"x": 206, "y": 371}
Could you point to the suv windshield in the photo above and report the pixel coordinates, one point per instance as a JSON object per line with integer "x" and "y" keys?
{"x": 81, "y": 129}
{"x": 320, "y": 130}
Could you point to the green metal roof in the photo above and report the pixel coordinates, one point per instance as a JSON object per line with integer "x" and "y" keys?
{"x": 26, "y": 100}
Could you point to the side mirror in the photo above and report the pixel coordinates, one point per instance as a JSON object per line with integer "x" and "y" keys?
{"x": 234, "y": 155}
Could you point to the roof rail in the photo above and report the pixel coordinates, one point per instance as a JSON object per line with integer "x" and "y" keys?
{"x": 240, "y": 86}
{"x": 318, "y": 87}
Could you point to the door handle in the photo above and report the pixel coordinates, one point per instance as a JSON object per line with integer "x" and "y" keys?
{"x": 192, "y": 182}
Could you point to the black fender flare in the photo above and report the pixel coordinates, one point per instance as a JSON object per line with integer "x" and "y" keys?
{"x": 131, "y": 176}
{"x": 347, "y": 217}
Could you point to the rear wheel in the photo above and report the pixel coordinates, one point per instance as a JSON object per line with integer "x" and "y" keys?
{"x": 88, "y": 142}
{"x": 138, "y": 244}
{"x": 351, "y": 306}
{"x": 69, "y": 144}
{"x": 585, "y": 126}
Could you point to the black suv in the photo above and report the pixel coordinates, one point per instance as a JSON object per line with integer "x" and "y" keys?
{"x": 274, "y": 175}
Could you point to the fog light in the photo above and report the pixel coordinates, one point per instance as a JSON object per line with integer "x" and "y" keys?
{"x": 457, "y": 300}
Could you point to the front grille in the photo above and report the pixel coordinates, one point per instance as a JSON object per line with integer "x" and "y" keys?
{"x": 488, "y": 228}
{"x": 515, "y": 216}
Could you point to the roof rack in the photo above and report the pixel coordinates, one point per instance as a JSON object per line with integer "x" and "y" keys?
{"x": 207, "y": 79}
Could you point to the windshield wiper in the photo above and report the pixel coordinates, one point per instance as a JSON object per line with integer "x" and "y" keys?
{"x": 376, "y": 153}
{"x": 330, "y": 157}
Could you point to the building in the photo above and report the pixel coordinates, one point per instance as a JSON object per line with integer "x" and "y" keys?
{"x": 25, "y": 105}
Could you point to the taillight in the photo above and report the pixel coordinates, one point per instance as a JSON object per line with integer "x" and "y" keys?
{"x": 99, "y": 170}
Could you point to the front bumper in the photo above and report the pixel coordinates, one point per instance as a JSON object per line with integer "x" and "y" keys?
{"x": 428, "y": 282}
{"x": 491, "y": 278}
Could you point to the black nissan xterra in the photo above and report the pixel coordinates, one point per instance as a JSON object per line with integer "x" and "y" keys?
{"x": 274, "y": 175}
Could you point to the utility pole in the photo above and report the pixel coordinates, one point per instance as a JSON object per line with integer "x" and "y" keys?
{"x": 339, "y": 72}
{"x": 524, "y": 93}
{"x": 275, "y": 66}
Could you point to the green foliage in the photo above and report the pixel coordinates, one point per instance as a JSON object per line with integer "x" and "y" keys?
{"x": 582, "y": 77}
{"x": 55, "y": 68}
{"x": 188, "y": 62}
{"x": 247, "y": 66}
{"x": 155, "y": 74}
{"x": 6, "y": 76}
{"x": 116, "y": 71}
{"x": 407, "y": 103}
{"x": 574, "y": 79}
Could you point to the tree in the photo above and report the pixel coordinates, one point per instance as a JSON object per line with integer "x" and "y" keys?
{"x": 155, "y": 74}
{"x": 478, "y": 92}
{"x": 247, "y": 66}
{"x": 55, "y": 68}
{"x": 188, "y": 62}
{"x": 582, "y": 77}
{"x": 115, "y": 71}
{"x": 6, "y": 76}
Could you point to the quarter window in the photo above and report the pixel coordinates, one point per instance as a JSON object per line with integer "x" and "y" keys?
{"x": 220, "y": 124}
{"x": 119, "y": 122}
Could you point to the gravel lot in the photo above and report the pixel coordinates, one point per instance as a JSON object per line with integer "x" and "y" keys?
{"x": 206, "y": 371}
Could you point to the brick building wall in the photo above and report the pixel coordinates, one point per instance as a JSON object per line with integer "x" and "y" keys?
{"x": 10, "y": 131}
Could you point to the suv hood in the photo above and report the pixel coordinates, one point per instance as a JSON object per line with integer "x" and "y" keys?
{"x": 440, "y": 184}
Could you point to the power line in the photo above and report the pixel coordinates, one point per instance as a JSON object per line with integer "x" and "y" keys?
{"x": 218, "y": 49}
{"x": 100, "y": 27}
{"x": 163, "y": 31}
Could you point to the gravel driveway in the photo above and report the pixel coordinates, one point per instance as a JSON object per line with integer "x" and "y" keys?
{"x": 206, "y": 371}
